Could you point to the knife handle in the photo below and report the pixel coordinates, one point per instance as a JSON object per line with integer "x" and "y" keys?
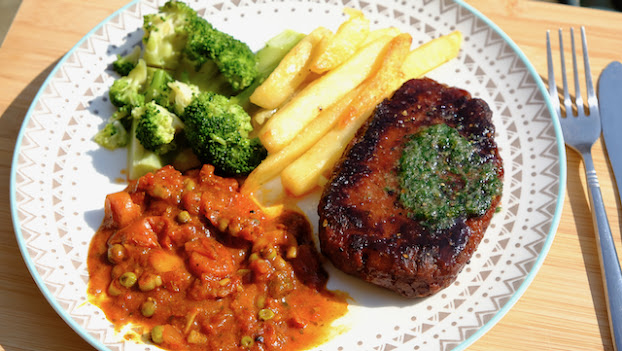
{"x": 610, "y": 265}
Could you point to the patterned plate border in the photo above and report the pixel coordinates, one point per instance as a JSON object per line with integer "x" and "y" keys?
{"x": 48, "y": 210}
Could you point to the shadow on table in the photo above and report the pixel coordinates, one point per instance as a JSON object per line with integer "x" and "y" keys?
{"x": 587, "y": 241}
{"x": 33, "y": 322}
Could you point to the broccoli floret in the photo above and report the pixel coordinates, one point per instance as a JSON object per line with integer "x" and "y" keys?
{"x": 165, "y": 34}
{"x": 234, "y": 59}
{"x": 124, "y": 64}
{"x": 112, "y": 136}
{"x": 157, "y": 127}
{"x": 218, "y": 132}
{"x": 181, "y": 94}
{"x": 178, "y": 11}
{"x": 158, "y": 89}
{"x": 125, "y": 92}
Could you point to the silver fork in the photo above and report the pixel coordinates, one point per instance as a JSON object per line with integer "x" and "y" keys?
{"x": 580, "y": 133}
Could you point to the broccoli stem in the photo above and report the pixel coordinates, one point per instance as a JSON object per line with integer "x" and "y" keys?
{"x": 158, "y": 89}
{"x": 140, "y": 161}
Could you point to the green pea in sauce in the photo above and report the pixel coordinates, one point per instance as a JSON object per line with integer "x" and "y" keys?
{"x": 442, "y": 178}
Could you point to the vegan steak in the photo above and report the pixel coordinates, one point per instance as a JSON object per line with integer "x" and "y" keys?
{"x": 413, "y": 194}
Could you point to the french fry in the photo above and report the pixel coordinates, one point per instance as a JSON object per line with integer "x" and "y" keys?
{"x": 272, "y": 165}
{"x": 290, "y": 119}
{"x": 388, "y": 78}
{"x": 336, "y": 49}
{"x": 304, "y": 174}
{"x": 381, "y": 32}
{"x": 261, "y": 115}
{"x": 432, "y": 54}
{"x": 290, "y": 73}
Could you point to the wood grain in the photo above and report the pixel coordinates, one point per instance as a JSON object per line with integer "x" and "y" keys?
{"x": 564, "y": 307}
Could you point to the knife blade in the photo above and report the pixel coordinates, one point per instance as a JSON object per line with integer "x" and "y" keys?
{"x": 610, "y": 106}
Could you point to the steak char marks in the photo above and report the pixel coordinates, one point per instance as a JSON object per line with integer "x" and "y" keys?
{"x": 364, "y": 229}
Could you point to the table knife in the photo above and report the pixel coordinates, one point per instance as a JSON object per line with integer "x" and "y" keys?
{"x": 610, "y": 106}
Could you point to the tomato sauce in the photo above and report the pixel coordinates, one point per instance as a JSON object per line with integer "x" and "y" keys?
{"x": 199, "y": 266}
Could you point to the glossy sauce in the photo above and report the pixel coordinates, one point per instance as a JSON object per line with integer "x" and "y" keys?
{"x": 200, "y": 267}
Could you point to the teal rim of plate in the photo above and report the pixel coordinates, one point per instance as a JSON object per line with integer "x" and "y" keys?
{"x": 463, "y": 345}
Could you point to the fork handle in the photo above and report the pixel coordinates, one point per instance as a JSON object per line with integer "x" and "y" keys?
{"x": 610, "y": 265}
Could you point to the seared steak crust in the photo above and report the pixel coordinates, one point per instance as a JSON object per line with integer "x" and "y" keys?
{"x": 364, "y": 229}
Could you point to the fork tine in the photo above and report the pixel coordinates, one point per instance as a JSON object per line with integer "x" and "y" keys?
{"x": 591, "y": 95}
{"x": 577, "y": 95}
{"x": 552, "y": 85}
{"x": 567, "y": 101}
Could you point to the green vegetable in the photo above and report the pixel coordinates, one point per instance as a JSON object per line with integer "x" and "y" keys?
{"x": 112, "y": 136}
{"x": 234, "y": 59}
{"x": 206, "y": 78}
{"x": 186, "y": 62}
{"x": 181, "y": 94}
{"x": 246, "y": 341}
{"x": 442, "y": 177}
{"x": 140, "y": 161}
{"x": 177, "y": 31}
{"x": 115, "y": 133}
{"x": 218, "y": 128}
{"x": 124, "y": 64}
{"x": 126, "y": 92}
{"x": 148, "y": 307}
{"x": 158, "y": 89}
{"x": 183, "y": 217}
{"x": 157, "y": 334}
{"x": 218, "y": 131}
{"x": 128, "y": 279}
{"x": 165, "y": 34}
{"x": 157, "y": 127}
{"x": 265, "y": 314}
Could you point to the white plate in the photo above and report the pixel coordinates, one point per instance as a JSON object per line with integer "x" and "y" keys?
{"x": 60, "y": 176}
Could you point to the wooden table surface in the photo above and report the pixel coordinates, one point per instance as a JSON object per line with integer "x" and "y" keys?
{"x": 564, "y": 307}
